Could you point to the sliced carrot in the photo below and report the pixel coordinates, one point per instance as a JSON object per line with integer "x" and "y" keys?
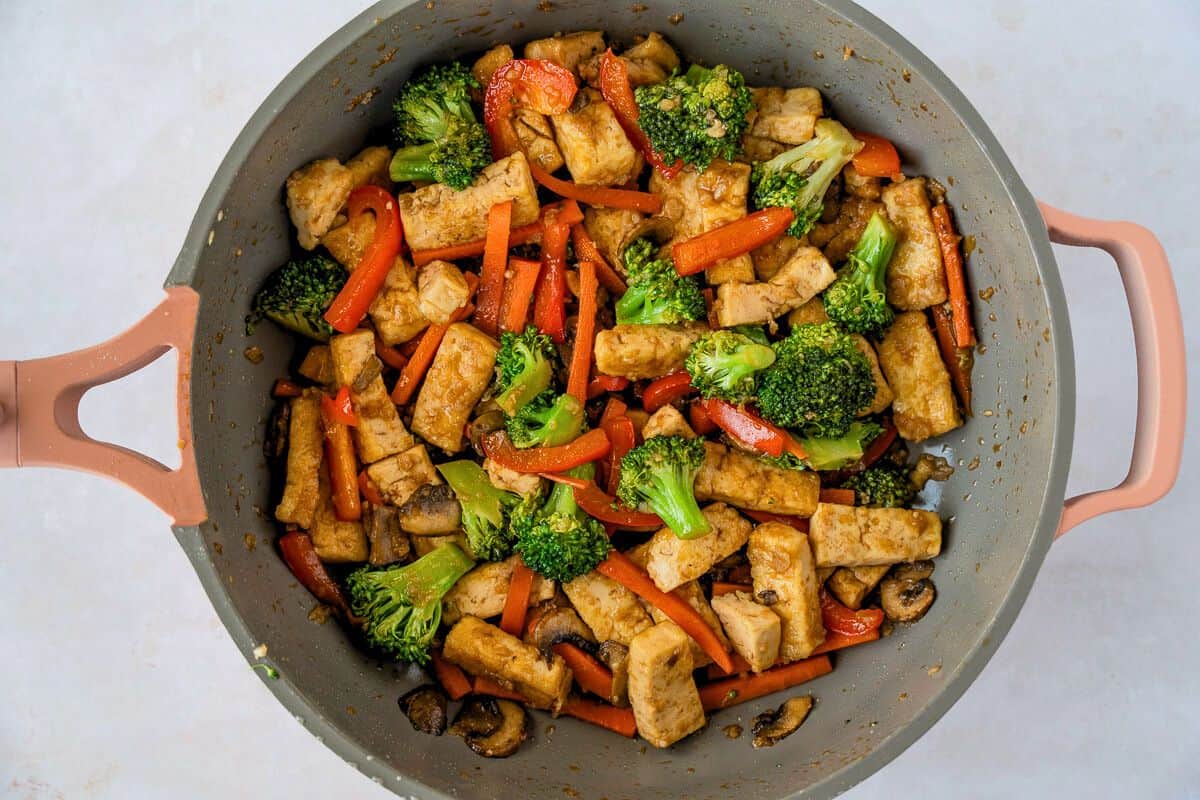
{"x": 518, "y": 293}
{"x": 724, "y": 587}
{"x": 369, "y": 490}
{"x": 586, "y": 250}
{"x": 617, "y": 720}
{"x": 390, "y": 355}
{"x": 485, "y": 685}
{"x": 731, "y": 691}
{"x": 590, "y": 674}
{"x": 285, "y": 388}
{"x": 731, "y": 239}
{"x": 585, "y": 333}
{"x": 956, "y": 282}
{"x": 799, "y": 523}
{"x": 422, "y": 357}
{"x": 598, "y": 195}
{"x": 495, "y": 262}
{"x": 959, "y": 361}
{"x": 520, "y": 235}
{"x": 842, "y": 497}
{"x": 740, "y": 667}
{"x": 342, "y": 464}
{"x": 450, "y": 676}
{"x": 589, "y": 447}
{"x": 838, "y": 641}
{"x": 878, "y": 157}
{"x": 516, "y": 604}
{"x": 618, "y": 567}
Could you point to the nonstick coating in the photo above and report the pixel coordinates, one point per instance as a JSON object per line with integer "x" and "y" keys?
{"x": 1002, "y": 504}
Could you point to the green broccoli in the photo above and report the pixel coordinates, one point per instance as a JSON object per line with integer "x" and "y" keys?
{"x": 827, "y": 453}
{"x": 724, "y": 364}
{"x": 547, "y": 421}
{"x": 858, "y": 298}
{"x": 818, "y": 383}
{"x": 296, "y": 296}
{"x": 524, "y": 368}
{"x": 659, "y": 474}
{"x": 885, "y": 485}
{"x": 559, "y": 541}
{"x": 485, "y": 509}
{"x": 697, "y": 116}
{"x": 798, "y": 178}
{"x": 754, "y": 333}
{"x": 441, "y": 139}
{"x": 656, "y": 293}
{"x": 401, "y": 606}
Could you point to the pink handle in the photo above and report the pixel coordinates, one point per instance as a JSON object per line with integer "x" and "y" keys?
{"x": 1161, "y": 362}
{"x": 39, "y": 409}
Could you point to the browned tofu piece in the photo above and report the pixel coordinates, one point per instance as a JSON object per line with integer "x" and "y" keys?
{"x": 317, "y": 365}
{"x": 651, "y": 60}
{"x": 811, "y": 313}
{"x": 609, "y": 227}
{"x": 424, "y": 545}
{"x": 825, "y": 573}
{"x": 596, "y": 149}
{"x": 672, "y": 561}
{"x": 396, "y": 312}
{"x": 441, "y": 291}
{"x": 510, "y": 480}
{"x": 608, "y": 608}
{"x": 348, "y": 241}
{"x": 662, "y": 692}
{"x": 379, "y": 432}
{"x": 399, "y": 475}
{"x": 370, "y": 167}
{"x": 489, "y": 62}
{"x": 693, "y": 593}
{"x": 742, "y": 480}
{"x": 915, "y": 277}
{"x": 667, "y": 421}
{"x": 483, "y": 649}
{"x": 856, "y": 185}
{"x": 883, "y": 392}
{"x": 457, "y": 378}
{"x": 697, "y": 202}
{"x": 851, "y": 585}
{"x": 771, "y": 257}
{"x": 781, "y": 562}
{"x": 754, "y": 630}
{"x": 836, "y": 239}
{"x": 788, "y": 116}
{"x": 645, "y": 351}
{"x": 315, "y": 194}
{"x": 853, "y": 536}
{"x": 483, "y": 591}
{"x": 567, "y": 50}
{"x": 335, "y": 541}
{"x": 438, "y": 216}
{"x": 306, "y": 440}
{"x": 800, "y": 279}
{"x": 535, "y": 137}
{"x": 924, "y": 403}
{"x": 756, "y": 148}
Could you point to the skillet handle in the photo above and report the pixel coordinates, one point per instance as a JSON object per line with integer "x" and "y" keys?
{"x": 39, "y": 409}
{"x": 1161, "y": 361}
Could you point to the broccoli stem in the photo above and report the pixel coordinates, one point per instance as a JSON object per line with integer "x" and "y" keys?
{"x": 413, "y": 163}
{"x": 432, "y": 575}
{"x": 672, "y": 499}
{"x": 874, "y": 249}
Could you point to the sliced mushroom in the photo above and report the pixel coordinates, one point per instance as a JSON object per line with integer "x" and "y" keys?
{"x": 425, "y": 708}
{"x": 389, "y": 543}
{"x": 488, "y": 418}
{"x": 615, "y": 656}
{"x": 916, "y": 571}
{"x": 492, "y": 728}
{"x": 433, "y": 510}
{"x": 554, "y": 623}
{"x": 771, "y": 727}
{"x": 275, "y": 443}
{"x": 479, "y": 716}
{"x": 906, "y": 600}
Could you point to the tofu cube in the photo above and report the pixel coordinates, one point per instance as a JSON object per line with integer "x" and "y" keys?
{"x": 399, "y": 475}
{"x": 317, "y": 365}
{"x": 567, "y": 50}
{"x": 645, "y": 351}
{"x": 347, "y": 242}
{"x": 608, "y": 608}
{"x": 851, "y": 585}
{"x": 483, "y": 649}
{"x": 510, "y": 480}
{"x": 379, "y": 432}
{"x": 441, "y": 291}
{"x": 371, "y": 167}
{"x": 306, "y": 441}
{"x": 788, "y": 116}
{"x": 811, "y": 313}
{"x": 457, "y": 378}
{"x": 883, "y": 393}
{"x": 483, "y": 591}
{"x": 782, "y": 566}
{"x": 915, "y": 276}
{"x": 754, "y": 630}
{"x": 609, "y": 228}
{"x": 315, "y": 194}
{"x": 667, "y": 421}
{"x": 662, "y": 692}
{"x": 535, "y": 137}
{"x": 697, "y": 202}
{"x": 800, "y": 279}
{"x": 335, "y": 541}
{"x": 672, "y": 561}
{"x": 396, "y": 312}
{"x": 853, "y": 536}
{"x": 740, "y": 479}
{"x": 594, "y": 146}
{"x": 923, "y": 405}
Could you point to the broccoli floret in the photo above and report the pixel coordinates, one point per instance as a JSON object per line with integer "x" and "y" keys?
{"x": 548, "y": 421}
{"x": 401, "y": 606}
{"x": 297, "y": 295}
{"x": 724, "y": 364}
{"x": 659, "y": 473}
{"x": 754, "y": 333}
{"x": 524, "y": 368}
{"x": 885, "y": 485}
{"x": 818, "y": 383}
{"x": 824, "y": 453}
{"x": 858, "y": 298}
{"x": 656, "y": 293}
{"x": 485, "y": 509}
{"x": 697, "y": 116}
{"x": 560, "y": 541}
{"x": 441, "y": 139}
{"x": 798, "y": 178}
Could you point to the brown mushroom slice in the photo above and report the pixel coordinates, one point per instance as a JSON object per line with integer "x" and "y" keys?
{"x": 554, "y": 623}
{"x": 615, "y": 656}
{"x": 489, "y": 419}
{"x": 916, "y": 571}
{"x": 906, "y": 600}
{"x": 389, "y": 543}
{"x": 479, "y": 716}
{"x": 773, "y": 726}
{"x": 433, "y": 510}
{"x": 425, "y": 707}
{"x": 513, "y": 729}
{"x": 275, "y": 443}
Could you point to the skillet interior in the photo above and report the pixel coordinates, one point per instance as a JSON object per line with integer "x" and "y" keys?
{"x": 880, "y": 697}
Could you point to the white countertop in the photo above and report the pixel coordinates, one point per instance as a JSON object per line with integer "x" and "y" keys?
{"x": 118, "y": 681}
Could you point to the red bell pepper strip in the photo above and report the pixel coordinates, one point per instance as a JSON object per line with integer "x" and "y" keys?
{"x": 751, "y": 429}
{"x": 518, "y": 293}
{"x": 533, "y": 83}
{"x": 877, "y": 158}
{"x": 352, "y": 302}
{"x": 618, "y": 93}
{"x": 585, "y": 333}
{"x": 516, "y": 604}
{"x": 698, "y": 417}
{"x": 959, "y": 361}
{"x": 843, "y": 621}
{"x": 623, "y": 437}
{"x": 522, "y": 235}
{"x": 369, "y": 490}
{"x": 603, "y": 507}
{"x": 799, "y": 523}
{"x": 838, "y": 641}
{"x": 550, "y": 300}
{"x": 879, "y": 445}
{"x": 285, "y": 388}
{"x": 666, "y": 390}
{"x": 342, "y": 462}
{"x": 731, "y": 239}
{"x": 341, "y": 407}
{"x": 301, "y": 558}
{"x": 841, "y": 497}
{"x": 613, "y": 408}
{"x": 598, "y": 195}
{"x": 589, "y": 447}
{"x": 491, "y": 274}
{"x": 586, "y": 250}
{"x": 956, "y": 283}
{"x": 606, "y": 383}
{"x": 731, "y": 691}
{"x": 565, "y": 480}
{"x": 450, "y": 676}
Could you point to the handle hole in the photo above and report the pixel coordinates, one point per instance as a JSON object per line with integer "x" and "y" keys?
{"x": 137, "y": 411}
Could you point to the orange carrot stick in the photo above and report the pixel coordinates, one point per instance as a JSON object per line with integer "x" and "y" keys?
{"x": 590, "y": 674}
{"x": 839, "y": 641}
{"x": 960, "y": 361}
{"x": 343, "y": 465}
{"x": 390, "y": 355}
{"x": 454, "y": 252}
{"x": 956, "y": 282}
{"x": 516, "y": 604}
{"x": 485, "y": 685}
{"x": 842, "y": 497}
{"x": 725, "y": 587}
{"x": 422, "y": 357}
{"x": 731, "y": 691}
{"x": 450, "y": 676}
{"x": 598, "y": 195}
{"x": 518, "y": 293}
{"x": 618, "y": 567}
{"x": 369, "y": 490}
{"x": 585, "y": 333}
{"x": 495, "y": 261}
{"x": 731, "y": 239}
{"x": 740, "y": 667}
{"x": 586, "y": 250}
{"x": 617, "y": 720}
{"x": 285, "y": 388}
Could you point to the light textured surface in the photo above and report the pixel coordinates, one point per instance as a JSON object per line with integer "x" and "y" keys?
{"x": 118, "y": 681}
